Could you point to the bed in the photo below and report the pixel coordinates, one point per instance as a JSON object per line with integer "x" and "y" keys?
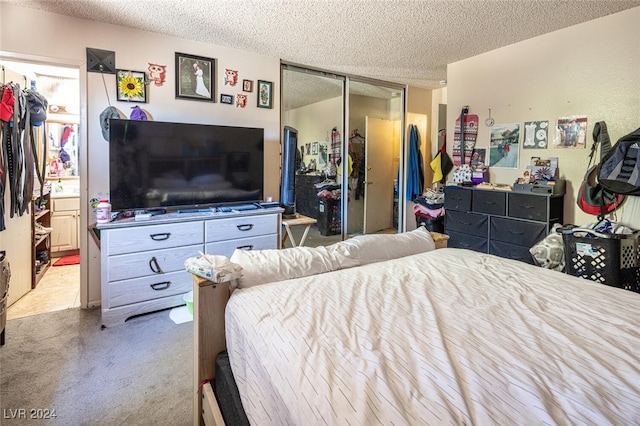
{"x": 415, "y": 335}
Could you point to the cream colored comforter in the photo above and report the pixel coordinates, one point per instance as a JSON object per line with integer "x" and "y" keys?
{"x": 445, "y": 337}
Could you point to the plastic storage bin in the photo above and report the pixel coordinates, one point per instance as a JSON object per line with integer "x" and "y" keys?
{"x": 611, "y": 259}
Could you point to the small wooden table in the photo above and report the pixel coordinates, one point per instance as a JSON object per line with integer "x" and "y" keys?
{"x": 299, "y": 220}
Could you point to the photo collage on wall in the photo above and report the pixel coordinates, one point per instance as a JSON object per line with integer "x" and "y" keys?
{"x": 504, "y": 140}
{"x": 195, "y": 79}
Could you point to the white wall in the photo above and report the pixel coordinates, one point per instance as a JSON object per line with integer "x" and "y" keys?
{"x": 314, "y": 123}
{"x": 60, "y": 39}
{"x": 589, "y": 69}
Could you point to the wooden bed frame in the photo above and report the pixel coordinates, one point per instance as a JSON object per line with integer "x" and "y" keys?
{"x": 209, "y": 302}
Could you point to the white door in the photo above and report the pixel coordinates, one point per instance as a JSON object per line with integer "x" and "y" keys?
{"x": 379, "y": 174}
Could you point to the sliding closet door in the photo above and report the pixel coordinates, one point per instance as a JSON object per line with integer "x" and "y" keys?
{"x": 343, "y": 179}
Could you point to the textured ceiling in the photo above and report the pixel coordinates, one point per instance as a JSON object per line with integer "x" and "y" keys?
{"x": 407, "y": 42}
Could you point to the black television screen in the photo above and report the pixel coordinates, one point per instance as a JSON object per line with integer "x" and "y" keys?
{"x": 155, "y": 164}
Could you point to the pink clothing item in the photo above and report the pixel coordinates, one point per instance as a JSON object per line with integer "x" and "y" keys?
{"x": 423, "y": 211}
{"x": 6, "y": 106}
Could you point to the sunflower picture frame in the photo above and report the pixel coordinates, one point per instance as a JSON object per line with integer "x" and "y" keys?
{"x": 131, "y": 86}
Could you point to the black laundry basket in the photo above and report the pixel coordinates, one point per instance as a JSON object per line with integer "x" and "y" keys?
{"x": 329, "y": 216}
{"x": 611, "y": 259}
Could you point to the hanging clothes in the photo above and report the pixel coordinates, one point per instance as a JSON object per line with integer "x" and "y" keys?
{"x": 19, "y": 153}
{"x": 336, "y": 146}
{"x": 64, "y": 139}
{"x": 415, "y": 172}
{"x": 349, "y": 166}
{"x": 356, "y": 151}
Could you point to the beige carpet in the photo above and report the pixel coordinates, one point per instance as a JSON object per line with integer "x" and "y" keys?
{"x": 138, "y": 373}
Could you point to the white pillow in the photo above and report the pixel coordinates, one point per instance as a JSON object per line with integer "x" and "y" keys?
{"x": 365, "y": 249}
{"x": 266, "y": 266}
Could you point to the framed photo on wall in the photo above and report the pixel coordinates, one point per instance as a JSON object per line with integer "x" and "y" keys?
{"x": 195, "y": 77}
{"x": 247, "y": 85}
{"x": 265, "y": 94}
{"x": 131, "y": 86}
{"x": 226, "y": 99}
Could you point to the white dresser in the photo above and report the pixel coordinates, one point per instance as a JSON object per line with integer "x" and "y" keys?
{"x": 143, "y": 262}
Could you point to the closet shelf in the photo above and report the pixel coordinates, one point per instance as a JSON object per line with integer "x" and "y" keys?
{"x": 40, "y": 239}
{"x": 41, "y": 213}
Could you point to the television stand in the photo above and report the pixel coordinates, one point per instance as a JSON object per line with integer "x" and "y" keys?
{"x": 142, "y": 263}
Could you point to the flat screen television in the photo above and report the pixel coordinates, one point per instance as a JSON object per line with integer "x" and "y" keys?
{"x": 155, "y": 164}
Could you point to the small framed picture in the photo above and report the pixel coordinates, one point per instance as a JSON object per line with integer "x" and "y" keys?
{"x": 265, "y": 94}
{"x": 131, "y": 86}
{"x": 226, "y": 99}
{"x": 314, "y": 148}
{"x": 195, "y": 77}
{"x": 247, "y": 85}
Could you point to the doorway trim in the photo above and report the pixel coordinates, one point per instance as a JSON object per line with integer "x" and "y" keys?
{"x": 82, "y": 152}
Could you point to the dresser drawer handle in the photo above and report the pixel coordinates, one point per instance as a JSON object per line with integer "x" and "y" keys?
{"x": 528, "y": 207}
{"x": 155, "y": 266}
{"x": 515, "y": 232}
{"x": 245, "y": 227}
{"x": 247, "y": 247}
{"x": 160, "y": 237}
{"x": 489, "y": 202}
{"x": 465, "y": 223}
{"x": 161, "y": 286}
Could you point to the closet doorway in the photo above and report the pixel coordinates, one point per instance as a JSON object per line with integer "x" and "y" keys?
{"x": 376, "y": 112}
{"x": 349, "y": 146}
{"x": 56, "y": 225}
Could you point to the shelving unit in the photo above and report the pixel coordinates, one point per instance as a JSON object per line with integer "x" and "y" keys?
{"x": 41, "y": 242}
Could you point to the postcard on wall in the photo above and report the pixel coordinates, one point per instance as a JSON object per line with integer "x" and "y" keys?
{"x": 504, "y": 145}
{"x": 571, "y": 132}
{"x": 536, "y": 134}
{"x": 322, "y": 153}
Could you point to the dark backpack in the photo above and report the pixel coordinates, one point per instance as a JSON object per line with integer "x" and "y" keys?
{"x": 619, "y": 170}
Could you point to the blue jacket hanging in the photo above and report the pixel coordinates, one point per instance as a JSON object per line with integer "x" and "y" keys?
{"x": 415, "y": 174}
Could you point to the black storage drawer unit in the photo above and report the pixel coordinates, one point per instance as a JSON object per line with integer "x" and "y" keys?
{"x": 504, "y": 223}
{"x": 457, "y": 198}
{"x": 510, "y": 251}
{"x": 468, "y": 223}
{"x": 490, "y": 202}
{"x": 466, "y": 241}
{"x": 517, "y": 231}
